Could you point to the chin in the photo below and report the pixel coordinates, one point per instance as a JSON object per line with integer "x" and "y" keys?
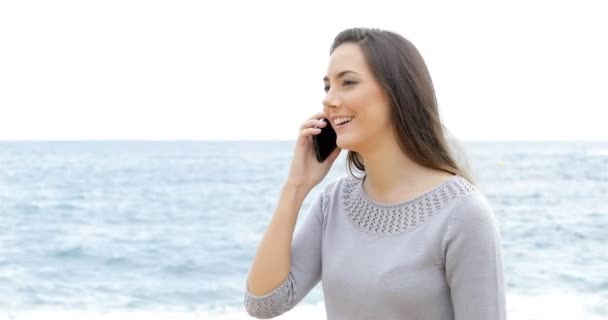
{"x": 346, "y": 143}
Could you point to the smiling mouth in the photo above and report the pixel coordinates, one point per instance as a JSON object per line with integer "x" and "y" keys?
{"x": 342, "y": 121}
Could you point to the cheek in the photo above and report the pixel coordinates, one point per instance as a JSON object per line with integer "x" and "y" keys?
{"x": 362, "y": 101}
{"x": 371, "y": 105}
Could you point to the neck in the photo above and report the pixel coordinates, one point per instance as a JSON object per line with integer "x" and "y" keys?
{"x": 391, "y": 174}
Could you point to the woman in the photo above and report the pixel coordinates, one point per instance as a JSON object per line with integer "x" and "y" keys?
{"x": 412, "y": 238}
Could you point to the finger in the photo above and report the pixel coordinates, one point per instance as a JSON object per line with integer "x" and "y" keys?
{"x": 318, "y": 115}
{"x": 313, "y": 123}
{"x": 310, "y": 132}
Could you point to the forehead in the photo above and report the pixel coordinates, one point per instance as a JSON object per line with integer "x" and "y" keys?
{"x": 347, "y": 56}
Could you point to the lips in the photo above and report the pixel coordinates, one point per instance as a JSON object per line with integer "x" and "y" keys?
{"x": 342, "y": 120}
{"x": 344, "y": 124}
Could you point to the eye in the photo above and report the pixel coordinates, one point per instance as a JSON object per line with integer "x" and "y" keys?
{"x": 345, "y": 83}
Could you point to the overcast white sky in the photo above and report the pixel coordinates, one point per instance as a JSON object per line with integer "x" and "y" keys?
{"x": 250, "y": 70}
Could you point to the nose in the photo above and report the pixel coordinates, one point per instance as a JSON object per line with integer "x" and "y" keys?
{"x": 331, "y": 101}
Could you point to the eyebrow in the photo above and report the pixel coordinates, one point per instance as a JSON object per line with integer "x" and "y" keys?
{"x": 325, "y": 79}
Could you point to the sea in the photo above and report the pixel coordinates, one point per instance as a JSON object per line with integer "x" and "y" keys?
{"x": 168, "y": 229}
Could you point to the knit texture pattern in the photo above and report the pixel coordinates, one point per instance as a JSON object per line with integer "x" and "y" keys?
{"x": 394, "y": 219}
{"x": 278, "y": 299}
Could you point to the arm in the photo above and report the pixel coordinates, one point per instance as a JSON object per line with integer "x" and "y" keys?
{"x": 473, "y": 261}
{"x": 282, "y": 273}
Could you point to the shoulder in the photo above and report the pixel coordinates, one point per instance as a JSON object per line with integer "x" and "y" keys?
{"x": 472, "y": 214}
{"x": 475, "y": 206}
{"x": 335, "y": 187}
{"x": 340, "y": 187}
{"x": 336, "y": 190}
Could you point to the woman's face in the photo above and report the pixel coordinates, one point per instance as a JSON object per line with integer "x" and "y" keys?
{"x": 353, "y": 92}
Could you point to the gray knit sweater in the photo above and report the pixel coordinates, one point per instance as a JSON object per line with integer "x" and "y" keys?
{"x": 437, "y": 256}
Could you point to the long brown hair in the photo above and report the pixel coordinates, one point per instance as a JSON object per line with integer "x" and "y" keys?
{"x": 405, "y": 79}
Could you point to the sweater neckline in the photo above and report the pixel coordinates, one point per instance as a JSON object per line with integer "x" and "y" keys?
{"x": 389, "y": 219}
{"x": 361, "y": 192}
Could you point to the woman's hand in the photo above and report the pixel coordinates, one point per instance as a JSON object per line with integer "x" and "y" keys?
{"x": 305, "y": 170}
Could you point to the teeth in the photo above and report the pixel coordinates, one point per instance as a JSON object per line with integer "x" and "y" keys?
{"x": 341, "y": 120}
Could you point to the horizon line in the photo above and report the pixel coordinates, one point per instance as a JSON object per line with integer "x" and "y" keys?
{"x": 270, "y": 140}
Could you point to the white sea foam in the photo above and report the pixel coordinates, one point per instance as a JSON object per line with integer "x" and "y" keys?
{"x": 599, "y": 152}
{"x": 519, "y": 307}
{"x": 556, "y": 306}
{"x": 299, "y": 312}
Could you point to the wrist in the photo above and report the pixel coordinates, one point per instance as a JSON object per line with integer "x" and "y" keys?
{"x": 296, "y": 187}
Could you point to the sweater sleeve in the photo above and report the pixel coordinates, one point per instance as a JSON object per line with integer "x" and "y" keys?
{"x": 304, "y": 274}
{"x": 473, "y": 261}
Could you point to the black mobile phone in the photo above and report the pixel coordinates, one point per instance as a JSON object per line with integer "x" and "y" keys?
{"x": 324, "y": 142}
